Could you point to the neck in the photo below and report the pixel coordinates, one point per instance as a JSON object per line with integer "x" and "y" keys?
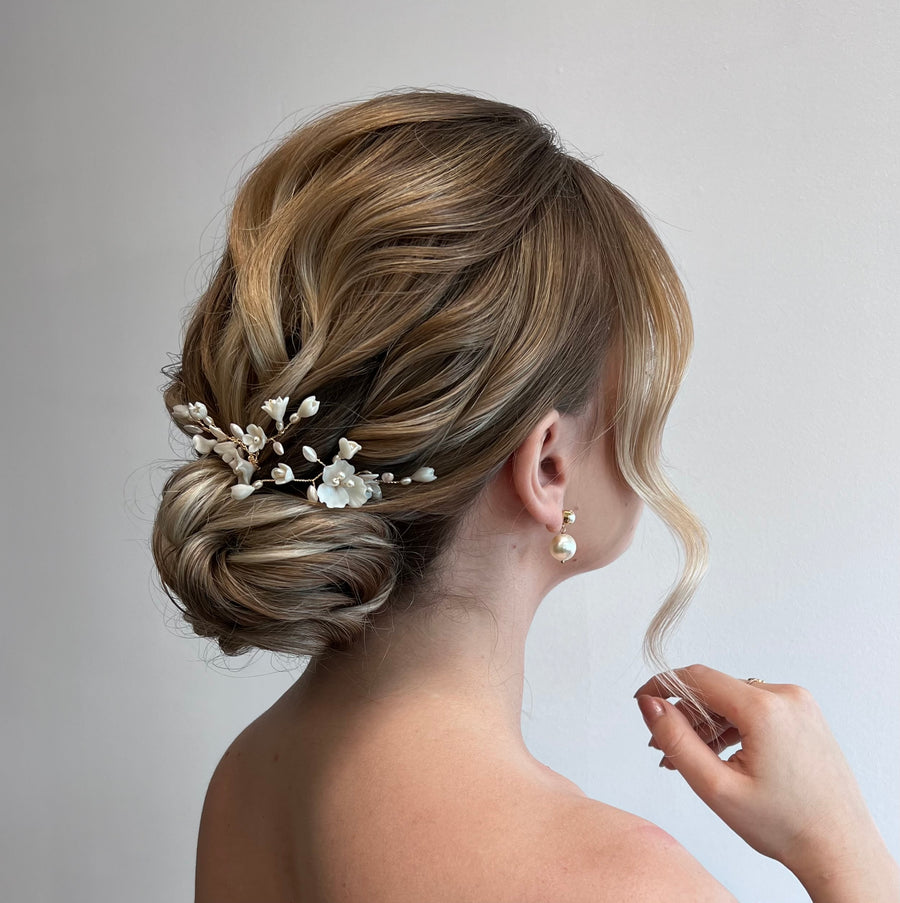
{"x": 447, "y": 655}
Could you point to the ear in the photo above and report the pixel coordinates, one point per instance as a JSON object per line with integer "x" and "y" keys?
{"x": 540, "y": 470}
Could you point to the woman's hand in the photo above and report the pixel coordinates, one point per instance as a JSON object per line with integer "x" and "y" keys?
{"x": 788, "y": 791}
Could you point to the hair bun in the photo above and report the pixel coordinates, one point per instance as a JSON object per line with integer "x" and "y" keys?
{"x": 293, "y": 577}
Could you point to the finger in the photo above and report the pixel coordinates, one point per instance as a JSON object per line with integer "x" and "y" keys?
{"x": 684, "y": 750}
{"x": 731, "y": 737}
{"x": 718, "y": 745}
{"x": 706, "y": 726}
{"x": 724, "y": 694}
{"x": 657, "y": 682}
{"x": 706, "y": 730}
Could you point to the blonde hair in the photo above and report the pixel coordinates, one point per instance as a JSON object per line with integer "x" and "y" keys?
{"x": 440, "y": 273}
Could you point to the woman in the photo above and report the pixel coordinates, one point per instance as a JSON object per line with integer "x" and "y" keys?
{"x": 494, "y": 335}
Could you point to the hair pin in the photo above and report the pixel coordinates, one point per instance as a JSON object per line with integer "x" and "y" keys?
{"x": 341, "y": 485}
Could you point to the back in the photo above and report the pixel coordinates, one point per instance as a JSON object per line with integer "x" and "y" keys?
{"x": 412, "y": 809}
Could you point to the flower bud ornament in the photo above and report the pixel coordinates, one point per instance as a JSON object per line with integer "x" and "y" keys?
{"x": 341, "y": 484}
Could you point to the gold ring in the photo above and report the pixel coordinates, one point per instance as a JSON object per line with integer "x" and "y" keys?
{"x": 755, "y": 680}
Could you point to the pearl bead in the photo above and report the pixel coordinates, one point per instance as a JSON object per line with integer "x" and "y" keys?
{"x": 562, "y": 547}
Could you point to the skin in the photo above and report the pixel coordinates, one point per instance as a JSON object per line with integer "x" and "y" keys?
{"x": 788, "y": 791}
{"x": 397, "y": 771}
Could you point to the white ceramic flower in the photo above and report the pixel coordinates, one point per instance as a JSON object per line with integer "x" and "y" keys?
{"x": 340, "y": 487}
{"x": 254, "y": 438}
{"x": 373, "y": 488}
{"x": 281, "y": 473}
{"x": 204, "y": 445}
{"x": 347, "y": 448}
{"x": 275, "y": 407}
{"x": 244, "y": 469}
{"x": 341, "y": 484}
{"x": 227, "y": 451}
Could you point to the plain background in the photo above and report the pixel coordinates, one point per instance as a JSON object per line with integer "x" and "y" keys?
{"x": 761, "y": 139}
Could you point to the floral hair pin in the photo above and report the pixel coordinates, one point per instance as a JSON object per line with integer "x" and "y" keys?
{"x": 341, "y": 484}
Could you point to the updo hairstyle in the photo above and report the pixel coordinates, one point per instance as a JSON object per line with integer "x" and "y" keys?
{"x": 440, "y": 273}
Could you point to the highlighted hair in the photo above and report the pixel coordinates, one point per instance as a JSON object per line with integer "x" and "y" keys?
{"x": 440, "y": 273}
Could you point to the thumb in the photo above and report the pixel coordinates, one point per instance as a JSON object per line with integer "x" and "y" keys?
{"x": 676, "y": 737}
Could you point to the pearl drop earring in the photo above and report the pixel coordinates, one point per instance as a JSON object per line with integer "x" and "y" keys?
{"x": 562, "y": 546}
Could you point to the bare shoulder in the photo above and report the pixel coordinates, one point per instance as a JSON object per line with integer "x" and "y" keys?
{"x": 218, "y": 810}
{"x": 598, "y": 852}
{"x": 225, "y": 781}
{"x": 279, "y": 824}
{"x": 237, "y": 859}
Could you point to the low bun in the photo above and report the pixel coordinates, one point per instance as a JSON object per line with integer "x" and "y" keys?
{"x": 283, "y": 574}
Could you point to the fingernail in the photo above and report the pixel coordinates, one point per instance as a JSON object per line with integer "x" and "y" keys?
{"x": 651, "y": 708}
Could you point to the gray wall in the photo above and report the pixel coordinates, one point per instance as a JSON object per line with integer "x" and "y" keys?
{"x": 762, "y": 140}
